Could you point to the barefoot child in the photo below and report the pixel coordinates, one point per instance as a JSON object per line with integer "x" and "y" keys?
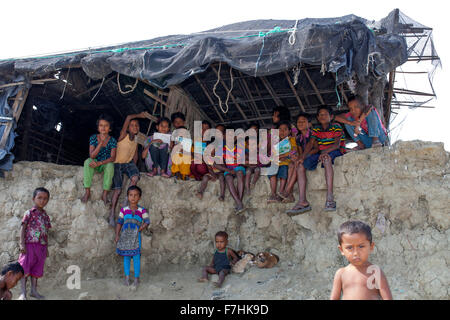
{"x": 10, "y": 275}
{"x": 254, "y": 169}
{"x": 34, "y": 242}
{"x": 220, "y": 263}
{"x": 159, "y": 150}
{"x": 132, "y": 220}
{"x": 126, "y": 159}
{"x": 102, "y": 154}
{"x": 284, "y": 131}
{"x": 356, "y": 281}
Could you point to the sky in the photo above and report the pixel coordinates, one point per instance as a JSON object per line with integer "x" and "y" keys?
{"x": 47, "y": 26}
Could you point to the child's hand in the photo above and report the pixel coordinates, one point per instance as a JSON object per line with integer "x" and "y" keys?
{"x": 94, "y": 164}
{"x": 102, "y": 141}
{"x": 324, "y": 157}
{"x": 144, "y": 114}
{"x": 116, "y": 239}
{"x": 157, "y": 141}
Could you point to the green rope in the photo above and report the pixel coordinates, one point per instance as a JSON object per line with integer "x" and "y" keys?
{"x": 339, "y": 105}
{"x": 119, "y": 50}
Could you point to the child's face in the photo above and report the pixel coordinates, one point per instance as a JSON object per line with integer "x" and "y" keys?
{"x": 133, "y": 197}
{"x": 178, "y": 122}
{"x": 302, "y": 124}
{"x": 283, "y": 131}
{"x": 104, "y": 127}
{"x": 324, "y": 117}
{"x": 133, "y": 127}
{"x": 276, "y": 117}
{"x": 354, "y": 108}
{"x": 356, "y": 248}
{"x": 221, "y": 243}
{"x": 12, "y": 278}
{"x": 221, "y": 129}
{"x": 204, "y": 128}
{"x": 41, "y": 199}
{"x": 163, "y": 127}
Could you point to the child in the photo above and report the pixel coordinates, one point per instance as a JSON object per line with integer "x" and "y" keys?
{"x": 178, "y": 120}
{"x": 159, "y": 151}
{"x": 355, "y": 281}
{"x": 10, "y": 275}
{"x": 219, "y": 155}
{"x": 327, "y": 143}
{"x": 302, "y": 139}
{"x": 200, "y": 170}
{"x": 181, "y": 167}
{"x": 252, "y": 168}
{"x": 132, "y": 220}
{"x": 364, "y": 127}
{"x": 34, "y": 242}
{"x": 220, "y": 263}
{"x": 102, "y": 154}
{"x": 126, "y": 159}
{"x": 232, "y": 169}
{"x": 284, "y": 131}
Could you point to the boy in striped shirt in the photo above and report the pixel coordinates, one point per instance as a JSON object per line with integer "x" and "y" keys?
{"x": 326, "y": 144}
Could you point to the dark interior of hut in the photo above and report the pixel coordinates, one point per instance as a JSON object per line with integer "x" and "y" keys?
{"x": 60, "y": 112}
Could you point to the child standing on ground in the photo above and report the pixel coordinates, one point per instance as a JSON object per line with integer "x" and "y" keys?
{"x": 102, "y": 154}
{"x": 356, "y": 281}
{"x": 34, "y": 242}
{"x": 10, "y": 275}
{"x": 132, "y": 220}
{"x": 222, "y": 260}
{"x": 158, "y": 150}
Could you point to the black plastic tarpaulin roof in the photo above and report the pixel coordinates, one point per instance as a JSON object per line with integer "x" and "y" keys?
{"x": 260, "y": 47}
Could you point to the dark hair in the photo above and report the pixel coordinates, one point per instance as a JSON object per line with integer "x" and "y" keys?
{"x": 207, "y": 122}
{"x": 254, "y": 124}
{"x": 283, "y": 122}
{"x": 134, "y": 188}
{"x": 177, "y": 115}
{"x": 162, "y": 119}
{"x": 324, "y": 107}
{"x": 284, "y": 113}
{"x": 359, "y": 99}
{"x": 15, "y": 267}
{"x": 222, "y": 234}
{"x": 351, "y": 227}
{"x": 304, "y": 115}
{"x": 40, "y": 189}
{"x": 107, "y": 118}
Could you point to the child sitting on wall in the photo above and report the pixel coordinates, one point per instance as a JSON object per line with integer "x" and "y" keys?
{"x": 363, "y": 124}
{"x": 327, "y": 144}
{"x": 102, "y": 154}
{"x": 158, "y": 150}
{"x": 222, "y": 260}
{"x": 181, "y": 158}
{"x": 285, "y": 149}
{"x": 360, "y": 280}
{"x": 132, "y": 220}
{"x": 252, "y": 146}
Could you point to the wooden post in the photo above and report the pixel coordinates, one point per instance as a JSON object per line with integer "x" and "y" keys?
{"x": 24, "y": 148}
{"x": 17, "y": 108}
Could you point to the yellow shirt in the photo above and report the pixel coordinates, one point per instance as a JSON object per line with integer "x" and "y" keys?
{"x": 126, "y": 150}
{"x": 286, "y": 161}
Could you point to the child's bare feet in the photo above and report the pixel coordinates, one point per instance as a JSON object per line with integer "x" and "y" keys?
{"x": 36, "y": 295}
{"x": 112, "y": 221}
{"x": 199, "y": 195}
{"x": 217, "y": 284}
{"x": 289, "y": 199}
{"x": 221, "y": 198}
{"x": 136, "y": 283}
{"x": 274, "y": 198}
{"x": 202, "y": 280}
{"x": 105, "y": 198}
{"x": 165, "y": 175}
{"x": 86, "y": 196}
{"x": 126, "y": 281}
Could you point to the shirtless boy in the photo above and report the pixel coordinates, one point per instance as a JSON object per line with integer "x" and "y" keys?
{"x": 360, "y": 280}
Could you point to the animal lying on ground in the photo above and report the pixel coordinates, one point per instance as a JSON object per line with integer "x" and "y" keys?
{"x": 266, "y": 260}
{"x": 240, "y": 266}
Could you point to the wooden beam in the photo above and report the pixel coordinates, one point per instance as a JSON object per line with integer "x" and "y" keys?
{"x": 259, "y": 95}
{"x": 202, "y": 113}
{"x": 294, "y": 91}
{"x": 231, "y": 95}
{"x": 319, "y": 96}
{"x": 271, "y": 91}
{"x": 205, "y": 91}
{"x": 37, "y": 81}
{"x": 389, "y": 99}
{"x": 154, "y": 97}
{"x": 19, "y": 102}
{"x": 250, "y": 96}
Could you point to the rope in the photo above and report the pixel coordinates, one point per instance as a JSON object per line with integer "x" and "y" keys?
{"x": 132, "y": 87}
{"x": 292, "y": 32}
{"x": 339, "y": 105}
{"x": 214, "y": 90}
{"x": 95, "y": 95}
{"x": 231, "y": 88}
{"x": 65, "y": 85}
